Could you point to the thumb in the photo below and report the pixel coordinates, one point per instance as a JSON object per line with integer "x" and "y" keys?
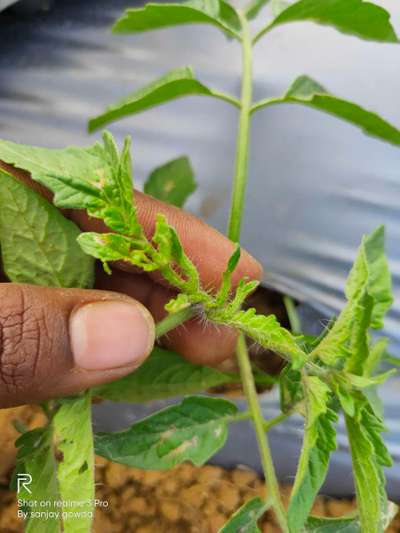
{"x": 56, "y": 342}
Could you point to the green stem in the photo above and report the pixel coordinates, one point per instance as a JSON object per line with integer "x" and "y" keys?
{"x": 243, "y": 137}
{"x": 242, "y": 415}
{"x": 262, "y": 440}
{"x": 174, "y": 320}
{"x": 261, "y": 33}
{"x": 226, "y": 97}
{"x": 234, "y": 227}
{"x": 292, "y": 314}
{"x": 268, "y": 424}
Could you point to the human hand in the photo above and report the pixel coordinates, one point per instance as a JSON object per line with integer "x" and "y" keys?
{"x": 55, "y": 342}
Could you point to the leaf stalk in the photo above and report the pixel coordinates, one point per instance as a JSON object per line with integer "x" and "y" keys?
{"x": 174, "y": 320}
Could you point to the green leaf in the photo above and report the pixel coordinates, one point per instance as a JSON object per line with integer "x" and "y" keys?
{"x": 172, "y": 182}
{"x": 59, "y": 458}
{"x": 277, "y": 6}
{"x": 226, "y": 285}
{"x": 345, "y": 524}
{"x": 291, "y": 389}
{"x": 319, "y": 441}
{"x": 254, "y": 7}
{"x": 377, "y": 353}
{"x": 96, "y": 178}
{"x": 174, "y": 84}
{"x": 171, "y": 253}
{"x": 74, "y": 175}
{"x": 371, "y": 272}
{"x": 354, "y": 17}
{"x": 368, "y": 290}
{"x": 36, "y": 457}
{"x": 360, "y": 382}
{"x": 73, "y": 439}
{"x": 317, "y": 524}
{"x": 392, "y": 360}
{"x": 369, "y": 456}
{"x": 308, "y": 92}
{"x": 190, "y": 431}
{"x": 244, "y": 520}
{"x": 38, "y": 245}
{"x": 119, "y": 213}
{"x": 153, "y": 16}
{"x": 163, "y": 375}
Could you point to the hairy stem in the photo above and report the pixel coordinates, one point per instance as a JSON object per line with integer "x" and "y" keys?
{"x": 259, "y": 424}
{"x": 174, "y": 320}
{"x": 243, "y": 137}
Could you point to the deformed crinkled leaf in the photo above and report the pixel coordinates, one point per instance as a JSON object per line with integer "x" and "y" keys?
{"x": 371, "y": 272}
{"x": 73, "y": 440}
{"x": 266, "y": 330}
{"x": 119, "y": 211}
{"x": 354, "y": 17}
{"x": 190, "y": 431}
{"x": 38, "y": 244}
{"x": 368, "y": 290}
{"x": 172, "y": 182}
{"x": 318, "y": 443}
{"x": 159, "y": 15}
{"x": 308, "y": 92}
{"x": 174, "y": 84}
{"x": 244, "y": 520}
{"x": 115, "y": 247}
{"x": 170, "y": 253}
{"x": 369, "y": 456}
{"x": 163, "y": 375}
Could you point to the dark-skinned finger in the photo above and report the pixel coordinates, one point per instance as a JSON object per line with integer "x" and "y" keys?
{"x": 55, "y": 342}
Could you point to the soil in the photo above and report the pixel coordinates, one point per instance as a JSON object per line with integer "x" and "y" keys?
{"x": 183, "y": 500}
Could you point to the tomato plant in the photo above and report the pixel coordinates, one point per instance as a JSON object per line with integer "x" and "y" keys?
{"x": 324, "y": 377}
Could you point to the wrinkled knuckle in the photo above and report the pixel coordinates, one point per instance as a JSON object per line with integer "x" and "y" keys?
{"x": 21, "y": 328}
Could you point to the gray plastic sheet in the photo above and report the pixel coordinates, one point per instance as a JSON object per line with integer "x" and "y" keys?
{"x": 315, "y": 185}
